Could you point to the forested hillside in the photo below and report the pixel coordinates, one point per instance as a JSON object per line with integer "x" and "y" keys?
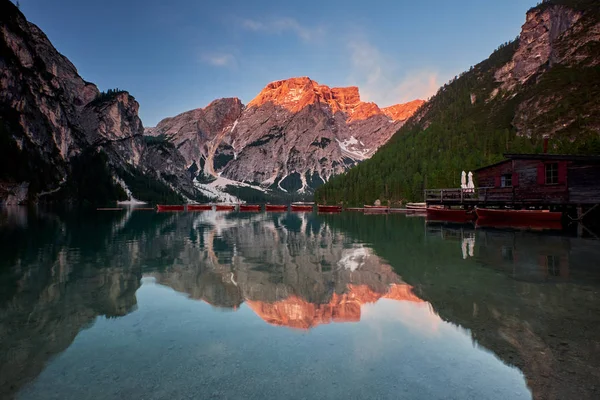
{"x": 506, "y": 103}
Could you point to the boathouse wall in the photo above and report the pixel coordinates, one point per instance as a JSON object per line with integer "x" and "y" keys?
{"x": 528, "y": 181}
{"x": 584, "y": 183}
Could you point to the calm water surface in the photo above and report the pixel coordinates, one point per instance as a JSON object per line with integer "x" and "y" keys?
{"x": 140, "y": 305}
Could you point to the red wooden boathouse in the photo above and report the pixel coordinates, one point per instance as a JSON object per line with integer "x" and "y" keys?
{"x": 541, "y": 180}
{"x": 523, "y": 181}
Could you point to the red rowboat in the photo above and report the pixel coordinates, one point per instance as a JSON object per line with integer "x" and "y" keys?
{"x": 276, "y": 207}
{"x": 199, "y": 207}
{"x": 224, "y": 207}
{"x": 301, "y": 207}
{"x": 375, "y": 209}
{"x": 519, "y": 216}
{"x": 450, "y": 215}
{"x": 162, "y": 208}
{"x": 249, "y": 207}
{"x": 329, "y": 209}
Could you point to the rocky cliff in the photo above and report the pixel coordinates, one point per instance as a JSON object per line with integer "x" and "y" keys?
{"x": 545, "y": 83}
{"x": 54, "y": 125}
{"x": 293, "y": 136}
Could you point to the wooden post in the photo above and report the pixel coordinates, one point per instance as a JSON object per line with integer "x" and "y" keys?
{"x": 579, "y": 222}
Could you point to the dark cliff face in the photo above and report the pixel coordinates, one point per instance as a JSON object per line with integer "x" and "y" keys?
{"x": 41, "y": 95}
{"x": 553, "y": 74}
{"x": 54, "y": 124}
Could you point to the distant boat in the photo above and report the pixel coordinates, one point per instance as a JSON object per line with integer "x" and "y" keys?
{"x": 520, "y": 216}
{"x": 249, "y": 207}
{"x": 416, "y": 206}
{"x": 302, "y": 206}
{"x": 199, "y": 207}
{"x": 276, "y": 207}
{"x": 450, "y": 215}
{"x": 377, "y": 209}
{"x": 162, "y": 208}
{"x": 329, "y": 209}
{"x": 224, "y": 207}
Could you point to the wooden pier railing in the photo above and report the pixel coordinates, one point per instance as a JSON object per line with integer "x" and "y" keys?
{"x": 460, "y": 196}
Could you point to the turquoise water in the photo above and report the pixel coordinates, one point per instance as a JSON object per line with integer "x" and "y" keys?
{"x": 140, "y": 305}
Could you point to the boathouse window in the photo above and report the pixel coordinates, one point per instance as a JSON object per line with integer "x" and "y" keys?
{"x": 552, "y": 174}
{"x": 506, "y": 180}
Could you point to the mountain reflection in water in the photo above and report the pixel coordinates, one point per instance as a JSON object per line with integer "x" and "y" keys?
{"x": 531, "y": 299}
{"x": 290, "y": 269}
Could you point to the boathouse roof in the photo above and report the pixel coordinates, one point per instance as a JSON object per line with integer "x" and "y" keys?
{"x": 553, "y": 157}
{"x": 543, "y": 156}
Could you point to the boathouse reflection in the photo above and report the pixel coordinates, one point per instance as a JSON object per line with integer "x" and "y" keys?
{"x": 523, "y": 255}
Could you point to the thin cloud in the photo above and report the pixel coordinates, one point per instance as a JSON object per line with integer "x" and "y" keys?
{"x": 380, "y": 80}
{"x": 219, "y": 59}
{"x": 418, "y": 85}
{"x": 282, "y": 25}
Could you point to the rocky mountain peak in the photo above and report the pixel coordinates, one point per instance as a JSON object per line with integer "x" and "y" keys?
{"x": 294, "y": 94}
{"x": 401, "y": 112}
{"x": 292, "y": 136}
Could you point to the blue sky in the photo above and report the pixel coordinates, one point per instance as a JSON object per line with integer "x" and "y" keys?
{"x": 177, "y": 55}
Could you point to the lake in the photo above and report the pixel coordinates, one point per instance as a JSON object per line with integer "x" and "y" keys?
{"x": 208, "y": 305}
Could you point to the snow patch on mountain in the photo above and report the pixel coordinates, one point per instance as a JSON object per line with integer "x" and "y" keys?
{"x": 351, "y": 148}
{"x": 216, "y": 189}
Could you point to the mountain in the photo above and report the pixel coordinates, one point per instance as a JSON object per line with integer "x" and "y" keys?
{"x": 62, "y": 139}
{"x": 544, "y": 83}
{"x": 293, "y": 136}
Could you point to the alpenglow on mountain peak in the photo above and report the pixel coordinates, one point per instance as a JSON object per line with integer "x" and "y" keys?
{"x": 292, "y": 137}
{"x": 296, "y": 93}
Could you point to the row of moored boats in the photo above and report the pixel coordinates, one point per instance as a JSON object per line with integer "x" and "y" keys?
{"x": 306, "y": 207}
{"x": 433, "y": 213}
